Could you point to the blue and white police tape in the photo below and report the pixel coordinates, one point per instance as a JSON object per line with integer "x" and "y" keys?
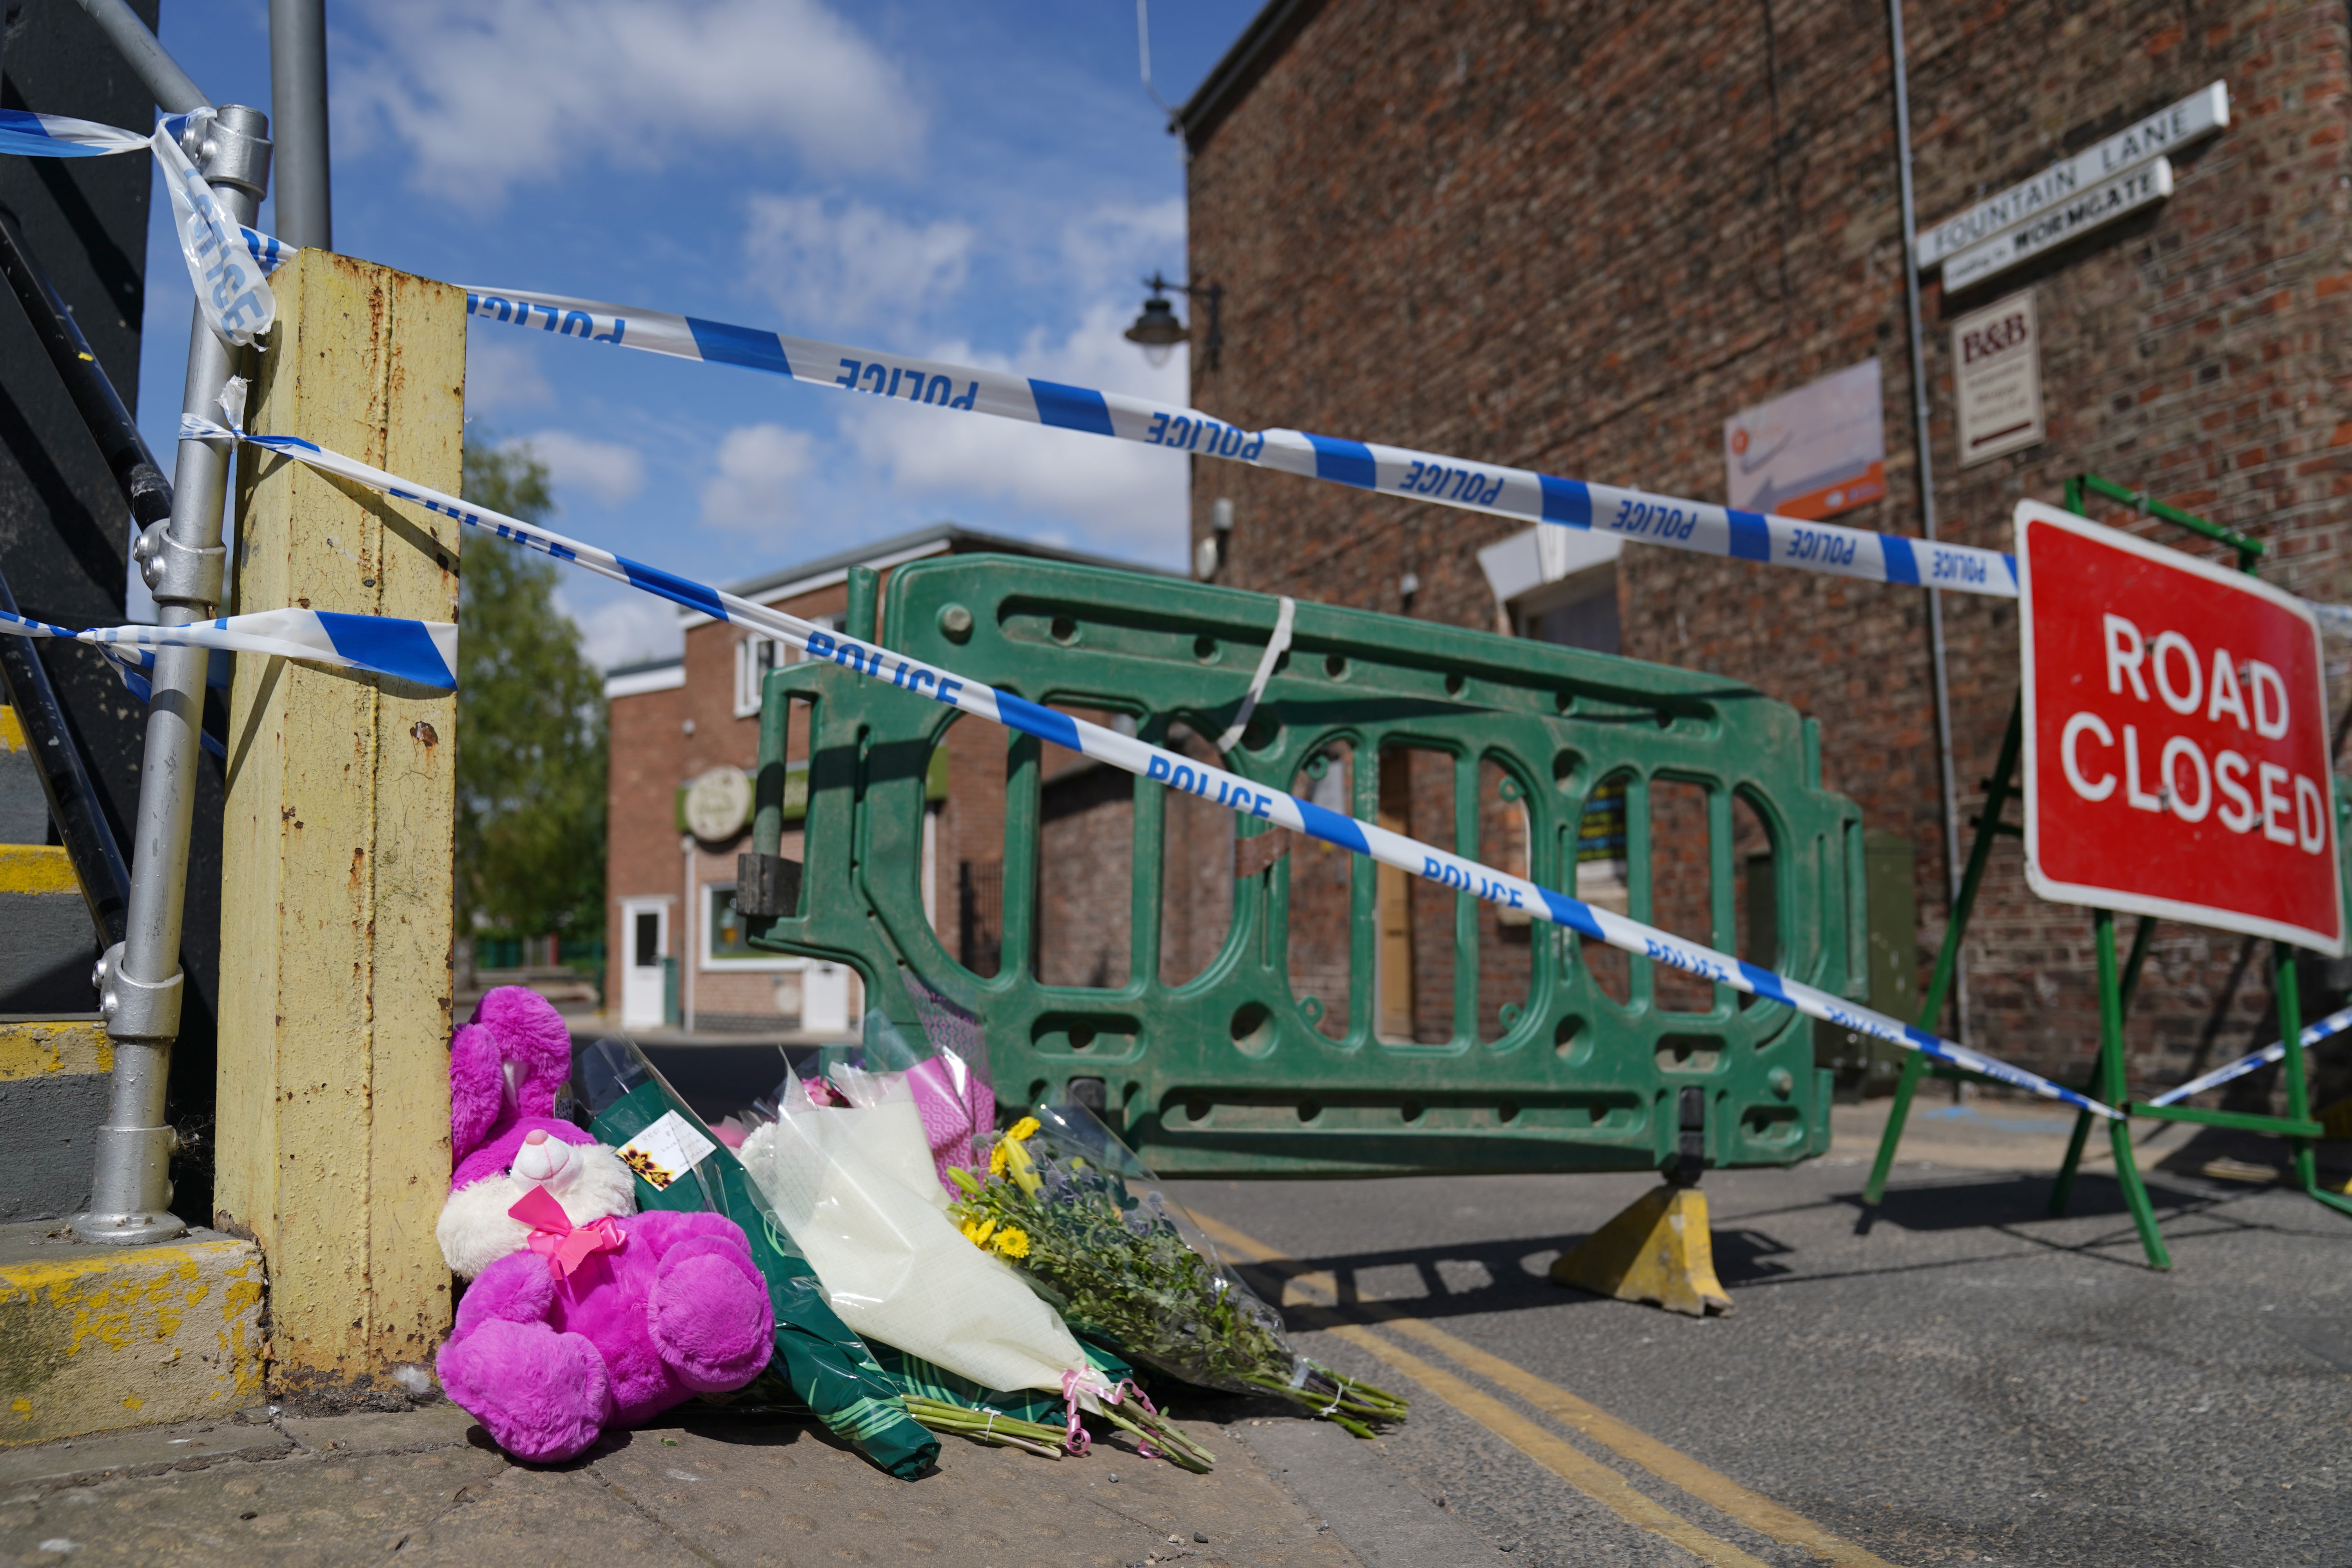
{"x": 424, "y": 652}
{"x": 2333, "y": 1024}
{"x": 1520, "y": 493}
{"x": 225, "y": 258}
{"x": 62, "y": 136}
{"x": 1134, "y": 755}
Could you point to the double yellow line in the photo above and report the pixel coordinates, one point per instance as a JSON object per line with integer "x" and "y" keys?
{"x": 1547, "y": 1448}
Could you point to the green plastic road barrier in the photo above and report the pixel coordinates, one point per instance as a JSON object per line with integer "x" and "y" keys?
{"x": 1467, "y": 1044}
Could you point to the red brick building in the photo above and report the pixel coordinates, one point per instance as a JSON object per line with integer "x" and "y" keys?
{"x": 1580, "y": 237}
{"x": 677, "y": 955}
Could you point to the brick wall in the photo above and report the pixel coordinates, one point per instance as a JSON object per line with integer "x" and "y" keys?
{"x": 1577, "y": 238}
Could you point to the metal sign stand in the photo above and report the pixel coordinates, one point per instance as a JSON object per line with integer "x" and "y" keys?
{"x": 2115, "y": 985}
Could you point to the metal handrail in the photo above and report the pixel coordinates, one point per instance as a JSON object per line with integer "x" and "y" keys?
{"x": 140, "y": 980}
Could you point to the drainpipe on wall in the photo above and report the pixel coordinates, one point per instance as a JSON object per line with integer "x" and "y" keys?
{"x": 1921, "y": 410}
{"x": 685, "y": 948}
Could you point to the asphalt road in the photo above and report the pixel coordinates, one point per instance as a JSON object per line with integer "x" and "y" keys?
{"x": 1958, "y": 1378}
{"x": 1969, "y": 1381}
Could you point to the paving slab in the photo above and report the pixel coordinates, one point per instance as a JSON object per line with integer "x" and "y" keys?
{"x": 428, "y": 1487}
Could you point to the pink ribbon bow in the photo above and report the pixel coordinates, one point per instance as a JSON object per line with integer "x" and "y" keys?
{"x": 553, "y": 1236}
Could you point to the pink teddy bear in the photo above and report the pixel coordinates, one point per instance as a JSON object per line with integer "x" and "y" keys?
{"x": 581, "y": 1315}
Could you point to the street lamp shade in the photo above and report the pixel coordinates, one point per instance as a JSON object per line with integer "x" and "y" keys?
{"x": 1157, "y": 330}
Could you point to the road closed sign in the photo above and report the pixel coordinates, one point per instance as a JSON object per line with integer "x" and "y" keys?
{"x": 2176, "y": 737}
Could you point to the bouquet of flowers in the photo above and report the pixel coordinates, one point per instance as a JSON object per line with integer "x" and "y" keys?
{"x": 856, "y": 1189}
{"x": 1071, "y": 1207}
{"x": 819, "y": 1364}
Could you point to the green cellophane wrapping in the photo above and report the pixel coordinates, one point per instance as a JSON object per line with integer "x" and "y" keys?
{"x": 827, "y": 1367}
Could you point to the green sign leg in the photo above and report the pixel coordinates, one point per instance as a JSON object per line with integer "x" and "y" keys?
{"x": 2111, "y": 1090}
{"x": 1915, "y": 1067}
{"x": 2064, "y": 1187}
{"x": 2289, "y": 992}
{"x": 1947, "y": 957}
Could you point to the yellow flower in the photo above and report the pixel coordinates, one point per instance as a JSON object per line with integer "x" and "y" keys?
{"x": 1022, "y": 1166}
{"x": 977, "y": 1233}
{"x": 1023, "y": 1129}
{"x": 1012, "y": 1242}
{"x": 996, "y": 1158}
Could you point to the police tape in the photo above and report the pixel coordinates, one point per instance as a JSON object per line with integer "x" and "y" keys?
{"x": 1520, "y": 493}
{"x": 1132, "y": 754}
{"x": 424, "y": 652}
{"x": 2313, "y": 1034}
{"x": 225, "y": 260}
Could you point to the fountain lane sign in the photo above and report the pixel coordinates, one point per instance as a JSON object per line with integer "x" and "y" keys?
{"x": 2168, "y": 131}
{"x": 2176, "y": 737}
{"x": 2054, "y": 225}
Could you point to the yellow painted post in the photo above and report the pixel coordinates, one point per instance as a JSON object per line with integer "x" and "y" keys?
{"x": 334, "y": 1129}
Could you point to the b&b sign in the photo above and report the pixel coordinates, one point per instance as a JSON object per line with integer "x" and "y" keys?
{"x": 2176, "y": 737}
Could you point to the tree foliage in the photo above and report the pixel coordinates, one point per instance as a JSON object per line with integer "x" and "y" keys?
{"x": 530, "y": 726}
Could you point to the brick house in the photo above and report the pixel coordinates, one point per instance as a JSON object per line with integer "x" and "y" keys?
{"x": 677, "y": 955}
{"x": 1579, "y": 238}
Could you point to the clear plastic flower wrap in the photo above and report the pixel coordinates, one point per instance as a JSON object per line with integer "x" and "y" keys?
{"x": 1103, "y": 1242}
{"x": 853, "y": 1187}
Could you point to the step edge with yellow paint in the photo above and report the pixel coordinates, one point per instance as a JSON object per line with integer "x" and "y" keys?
{"x": 97, "y": 1339}
{"x": 53, "y": 1048}
{"x": 37, "y": 869}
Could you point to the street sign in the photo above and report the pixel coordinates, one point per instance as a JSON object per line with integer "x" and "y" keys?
{"x": 2168, "y": 130}
{"x": 2056, "y": 225}
{"x": 2176, "y": 737}
{"x": 1996, "y": 375}
{"x": 1812, "y": 453}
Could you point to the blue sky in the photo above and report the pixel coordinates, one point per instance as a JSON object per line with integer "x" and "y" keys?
{"x": 977, "y": 182}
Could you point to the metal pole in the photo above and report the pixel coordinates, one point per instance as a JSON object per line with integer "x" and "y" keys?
{"x": 1921, "y": 409}
{"x": 139, "y": 979}
{"x": 297, "y": 111}
{"x": 175, "y": 93}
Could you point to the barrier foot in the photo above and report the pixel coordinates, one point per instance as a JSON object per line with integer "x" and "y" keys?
{"x": 1658, "y": 1250}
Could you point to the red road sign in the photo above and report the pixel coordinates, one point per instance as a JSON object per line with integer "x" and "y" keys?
{"x": 2176, "y": 737}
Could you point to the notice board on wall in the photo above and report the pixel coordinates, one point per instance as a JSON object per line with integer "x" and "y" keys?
{"x": 1815, "y": 452}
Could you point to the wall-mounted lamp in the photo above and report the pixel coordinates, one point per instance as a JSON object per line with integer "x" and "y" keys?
{"x": 1208, "y": 555}
{"x": 1157, "y": 329}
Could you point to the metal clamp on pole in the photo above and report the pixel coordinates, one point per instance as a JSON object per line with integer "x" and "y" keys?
{"x": 767, "y": 886}
{"x": 181, "y": 558}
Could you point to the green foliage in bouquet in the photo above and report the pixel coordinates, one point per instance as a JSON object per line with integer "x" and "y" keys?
{"x": 1118, "y": 1267}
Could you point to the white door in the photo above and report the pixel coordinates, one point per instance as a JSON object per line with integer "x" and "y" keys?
{"x": 645, "y": 932}
{"x": 824, "y": 998}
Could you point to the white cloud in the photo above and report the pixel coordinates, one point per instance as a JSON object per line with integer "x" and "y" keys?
{"x": 756, "y": 485}
{"x": 609, "y": 471}
{"x": 1115, "y": 495}
{"x": 489, "y": 93}
{"x": 830, "y": 267}
{"x": 1111, "y": 247}
{"x": 629, "y": 630}
{"x": 503, "y": 375}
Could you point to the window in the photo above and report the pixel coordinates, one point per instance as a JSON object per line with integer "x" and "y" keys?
{"x": 755, "y": 655}
{"x": 724, "y": 936}
{"x": 1581, "y": 612}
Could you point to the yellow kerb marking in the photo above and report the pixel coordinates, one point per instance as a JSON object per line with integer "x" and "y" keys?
{"x": 1719, "y": 1491}
{"x": 36, "y": 869}
{"x": 12, "y": 731}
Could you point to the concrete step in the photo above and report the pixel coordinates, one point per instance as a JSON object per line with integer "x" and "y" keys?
{"x": 54, "y": 1076}
{"x": 47, "y": 942}
{"x": 93, "y": 1339}
{"x": 24, "y": 809}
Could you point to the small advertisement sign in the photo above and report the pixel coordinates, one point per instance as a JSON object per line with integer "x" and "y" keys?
{"x": 1996, "y": 377}
{"x": 1814, "y": 453}
{"x": 2176, "y": 737}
